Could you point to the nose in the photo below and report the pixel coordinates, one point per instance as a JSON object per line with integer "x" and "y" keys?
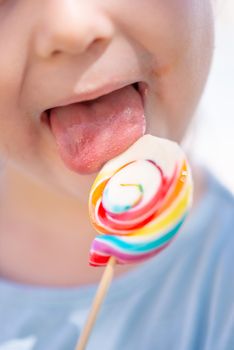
{"x": 70, "y": 27}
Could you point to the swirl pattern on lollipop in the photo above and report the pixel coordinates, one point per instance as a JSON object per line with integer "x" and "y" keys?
{"x": 139, "y": 201}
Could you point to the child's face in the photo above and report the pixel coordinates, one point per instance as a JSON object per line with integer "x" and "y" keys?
{"x": 52, "y": 51}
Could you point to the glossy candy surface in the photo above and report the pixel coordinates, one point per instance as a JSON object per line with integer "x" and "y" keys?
{"x": 139, "y": 201}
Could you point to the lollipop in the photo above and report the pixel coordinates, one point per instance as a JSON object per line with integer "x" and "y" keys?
{"x": 137, "y": 204}
{"x": 139, "y": 201}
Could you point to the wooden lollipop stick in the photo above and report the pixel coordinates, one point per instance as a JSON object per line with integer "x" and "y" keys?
{"x": 97, "y": 302}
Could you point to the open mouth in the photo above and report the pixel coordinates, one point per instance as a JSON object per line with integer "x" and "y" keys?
{"x": 91, "y": 132}
{"x": 140, "y": 87}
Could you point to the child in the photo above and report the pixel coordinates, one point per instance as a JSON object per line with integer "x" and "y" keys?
{"x": 80, "y": 81}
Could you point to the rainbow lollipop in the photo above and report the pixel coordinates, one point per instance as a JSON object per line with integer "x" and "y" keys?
{"x": 137, "y": 204}
{"x": 139, "y": 201}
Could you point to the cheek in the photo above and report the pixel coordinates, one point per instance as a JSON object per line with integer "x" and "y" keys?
{"x": 170, "y": 30}
{"x": 16, "y": 129}
{"x": 158, "y": 25}
{"x": 178, "y": 34}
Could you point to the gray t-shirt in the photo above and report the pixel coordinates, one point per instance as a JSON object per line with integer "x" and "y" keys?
{"x": 183, "y": 299}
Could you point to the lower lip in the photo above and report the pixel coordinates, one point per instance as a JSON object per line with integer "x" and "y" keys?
{"x": 88, "y": 134}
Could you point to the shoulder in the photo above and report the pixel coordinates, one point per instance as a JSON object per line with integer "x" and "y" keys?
{"x": 223, "y": 206}
{"x": 219, "y": 267}
{"x": 221, "y": 191}
{"x": 220, "y": 222}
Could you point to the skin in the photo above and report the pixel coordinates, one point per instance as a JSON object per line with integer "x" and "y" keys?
{"x": 52, "y": 49}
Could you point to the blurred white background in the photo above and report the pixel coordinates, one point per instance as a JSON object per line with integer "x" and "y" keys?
{"x": 214, "y": 130}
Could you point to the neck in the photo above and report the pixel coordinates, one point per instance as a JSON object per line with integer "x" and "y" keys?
{"x": 45, "y": 237}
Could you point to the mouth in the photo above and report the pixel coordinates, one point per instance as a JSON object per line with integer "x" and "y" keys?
{"x": 140, "y": 86}
{"x": 96, "y": 126}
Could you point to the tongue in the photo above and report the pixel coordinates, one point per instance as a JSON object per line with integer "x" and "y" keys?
{"x": 88, "y": 134}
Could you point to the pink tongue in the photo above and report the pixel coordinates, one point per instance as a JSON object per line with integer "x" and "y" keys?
{"x": 90, "y": 133}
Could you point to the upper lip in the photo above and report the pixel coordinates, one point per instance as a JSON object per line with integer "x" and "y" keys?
{"x": 94, "y": 93}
